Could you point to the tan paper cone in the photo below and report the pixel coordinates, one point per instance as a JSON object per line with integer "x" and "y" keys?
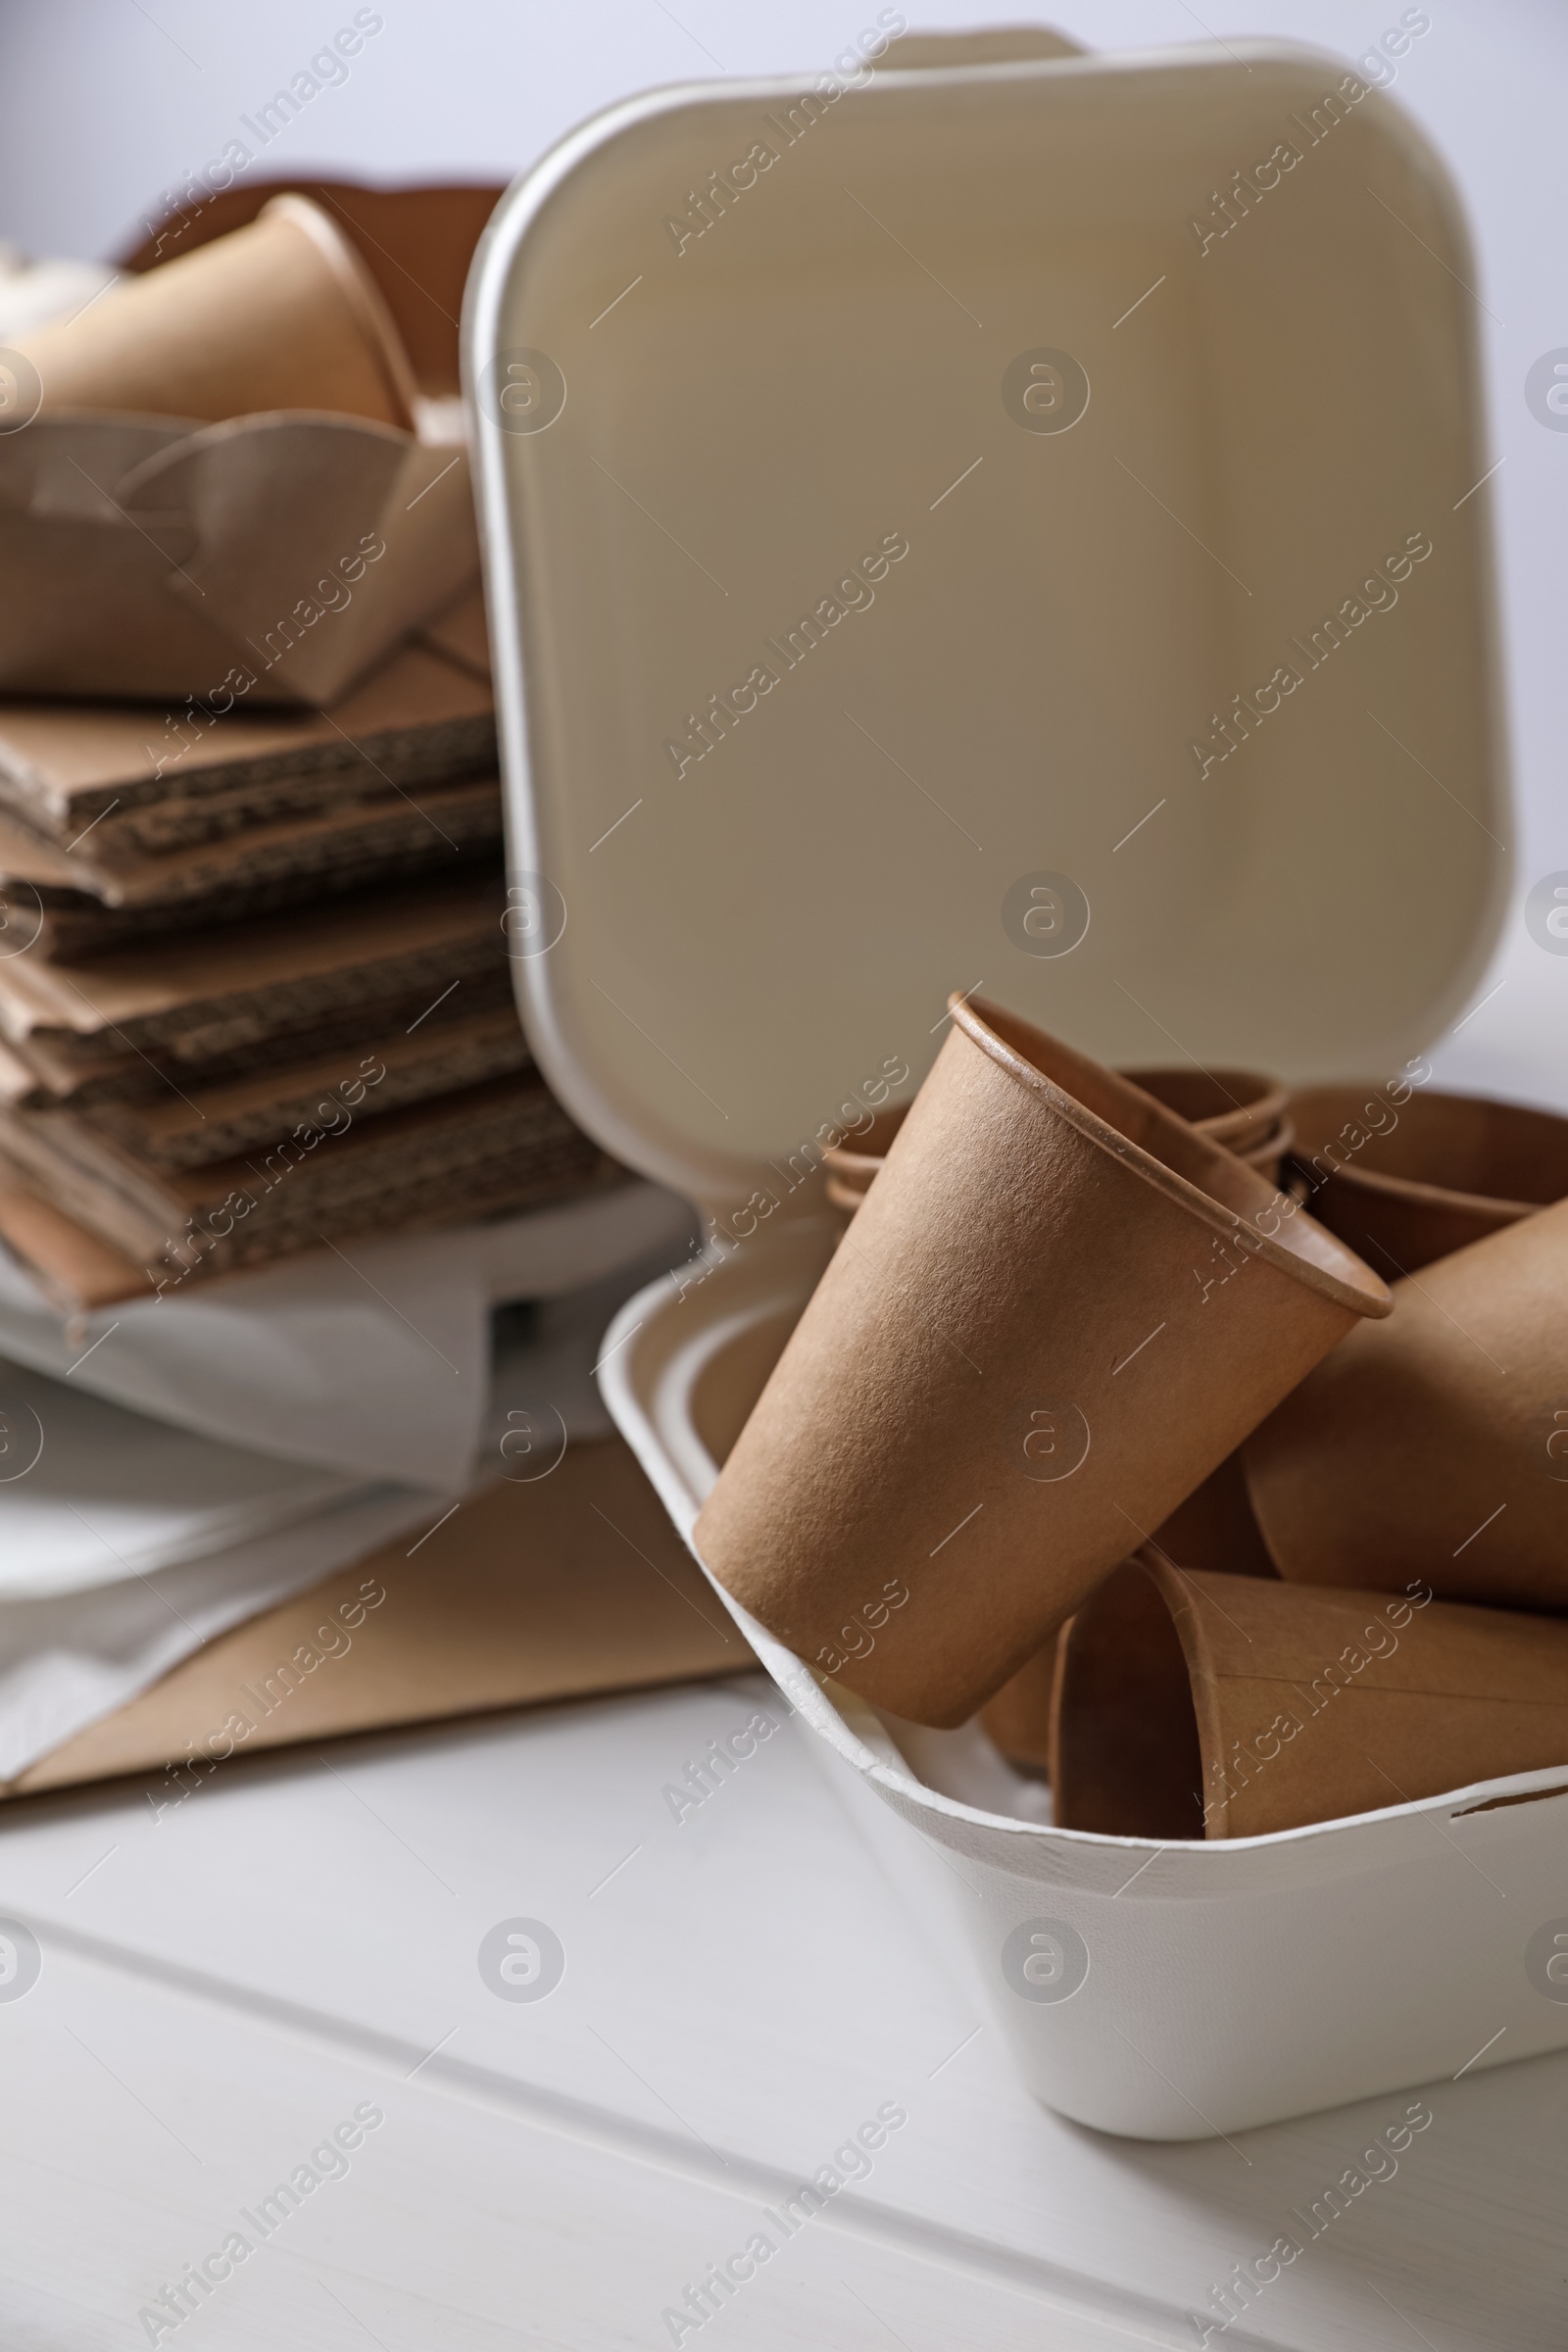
{"x": 281, "y": 315}
{"x": 1059, "y": 1310}
{"x": 1406, "y": 1181}
{"x": 1436, "y": 1448}
{"x": 1189, "y": 1705}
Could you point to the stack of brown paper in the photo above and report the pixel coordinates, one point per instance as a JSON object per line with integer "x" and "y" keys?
{"x": 255, "y": 991}
{"x": 254, "y": 988}
{"x": 222, "y": 490}
{"x": 207, "y": 1099}
{"x": 1190, "y": 1704}
{"x": 190, "y": 996}
{"x": 116, "y": 821}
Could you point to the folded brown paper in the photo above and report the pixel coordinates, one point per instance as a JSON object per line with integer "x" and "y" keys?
{"x": 1190, "y": 1704}
{"x": 223, "y": 495}
{"x": 566, "y": 1585}
{"x": 1408, "y": 1181}
{"x": 1437, "y": 1446}
{"x": 1059, "y": 1310}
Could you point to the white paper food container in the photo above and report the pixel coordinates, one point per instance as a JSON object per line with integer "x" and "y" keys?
{"x": 707, "y": 389}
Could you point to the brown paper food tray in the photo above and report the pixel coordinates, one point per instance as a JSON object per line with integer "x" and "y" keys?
{"x": 227, "y": 488}
{"x": 463, "y": 634}
{"x": 276, "y": 558}
{"x": 62, "y": 766}
{"x": 570, "y": 1586}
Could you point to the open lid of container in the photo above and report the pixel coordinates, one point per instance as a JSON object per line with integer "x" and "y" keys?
{"x": 1010, "y": 526}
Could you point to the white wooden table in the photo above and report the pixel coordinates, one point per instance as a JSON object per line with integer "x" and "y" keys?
{"x": 222, "y": 1989}
{"x": 742, "y": 1991}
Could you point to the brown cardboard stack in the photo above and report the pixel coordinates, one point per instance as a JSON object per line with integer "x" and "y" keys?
{"x": 254, "y": 985}
{"x": 261, "y": 999}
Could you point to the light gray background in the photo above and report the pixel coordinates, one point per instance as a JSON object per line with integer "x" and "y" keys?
{"x": 105, "y": 102}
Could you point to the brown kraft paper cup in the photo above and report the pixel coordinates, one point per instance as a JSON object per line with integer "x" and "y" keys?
{"x": 1233, "y": 1107}
{"x": 1213, "y": 1529}
{"x": 1057, "y": 1312}
{"x": 1439, "y": 1446}
{"x": 279, "y": 315}
{"x": 1254, "y": 1124}
{"x": 1191, "y": 1704}
{"x": 1411, "y": 1182}
{"x": 1266, "y": 1155}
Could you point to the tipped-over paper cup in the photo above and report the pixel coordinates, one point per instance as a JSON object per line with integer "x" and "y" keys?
{"x": 1239, "y": 1108}
{"x": 1409, "y": 1177}
{"x": 1438, "y": 1446}
{"x": 1190, "y": 1705}
{"x": 1056, "y": 1311}
{"x": 278, "y": 314}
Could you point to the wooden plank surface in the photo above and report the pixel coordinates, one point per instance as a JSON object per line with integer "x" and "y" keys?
{"x": 223, "y": 1982}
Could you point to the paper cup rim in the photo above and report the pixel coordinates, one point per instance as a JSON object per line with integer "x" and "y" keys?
{"x": 1268, "y": 1111}
{"x": 1369, "y": 1295}
{"x": 1503, "y": 1208}
{"x": 1264, "y": 1110}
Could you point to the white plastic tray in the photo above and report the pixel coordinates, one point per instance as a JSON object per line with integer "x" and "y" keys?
{"x": 730, "y": 926}
{"x": 1179, "y": 1991}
